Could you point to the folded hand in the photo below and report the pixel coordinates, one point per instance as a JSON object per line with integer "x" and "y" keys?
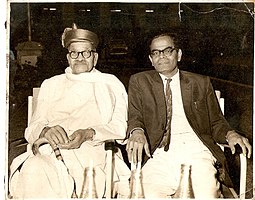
{"x": 57, "y": 137}
{"x": 77, "y": 138}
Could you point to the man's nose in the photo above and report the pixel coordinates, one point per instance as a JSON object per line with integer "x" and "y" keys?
{"x": 161, "y": 54}
{"x": 80, "y": 57}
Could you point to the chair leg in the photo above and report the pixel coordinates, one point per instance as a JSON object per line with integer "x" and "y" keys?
{"x": 109, "y": 147}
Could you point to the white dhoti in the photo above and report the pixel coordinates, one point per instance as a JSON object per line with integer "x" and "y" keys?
{"x": 45, "y": 176}
{"x": 42, "y": 176}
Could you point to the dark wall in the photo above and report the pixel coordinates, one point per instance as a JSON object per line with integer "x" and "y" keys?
{"x": 217, "y": 38}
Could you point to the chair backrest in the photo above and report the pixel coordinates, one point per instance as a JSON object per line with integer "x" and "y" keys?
{"x": 32, "y": 103}
{"x": 220, "y": 100}
{"x": 243, "y": 160}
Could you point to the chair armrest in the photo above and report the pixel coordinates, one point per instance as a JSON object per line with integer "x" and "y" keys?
{"x": 243, "y": 170}
{"x": 18, "y": 142}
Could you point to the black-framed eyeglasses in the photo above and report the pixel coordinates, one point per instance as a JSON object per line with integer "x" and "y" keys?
{"x": 168, "y": 51}
{"x": 85, "y": 54}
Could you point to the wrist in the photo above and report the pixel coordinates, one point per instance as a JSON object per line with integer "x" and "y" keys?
{"x": 93, "y": 133}
{"x": 230, "y": 134}
{"x": 137, "y": 131}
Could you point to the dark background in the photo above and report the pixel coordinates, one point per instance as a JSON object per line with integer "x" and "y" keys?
{"x": 217, "y": 40}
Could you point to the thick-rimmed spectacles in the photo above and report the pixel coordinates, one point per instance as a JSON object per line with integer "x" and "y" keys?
{"x": 166, "y": 52}
{"x": 85, "y": 54}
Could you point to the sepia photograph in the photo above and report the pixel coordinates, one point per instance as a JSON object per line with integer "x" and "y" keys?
{"x": 129, "y": 99}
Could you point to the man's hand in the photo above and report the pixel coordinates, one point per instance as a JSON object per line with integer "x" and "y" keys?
{"x": 234, "y": 138}
{"x": 77, "y": 138}
{"x": 55, "y": 135}
{"x": 135, "y": 145}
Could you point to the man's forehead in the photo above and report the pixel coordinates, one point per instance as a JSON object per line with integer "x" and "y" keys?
{"x": 81, "y": 44}
{"x": 162, "y": 42}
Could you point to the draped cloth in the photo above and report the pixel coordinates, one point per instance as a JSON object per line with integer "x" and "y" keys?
{"x": 69, "y": 91}
{"x": 96, "y": 100}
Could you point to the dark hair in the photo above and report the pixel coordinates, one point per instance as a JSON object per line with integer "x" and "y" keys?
{"x": 173, "y": 36}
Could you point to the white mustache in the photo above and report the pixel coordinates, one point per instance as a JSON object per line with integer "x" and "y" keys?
{"x": 80, "y": 62}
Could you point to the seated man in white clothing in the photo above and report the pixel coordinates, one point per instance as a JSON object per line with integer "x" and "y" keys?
{"x": 76, "y": 112}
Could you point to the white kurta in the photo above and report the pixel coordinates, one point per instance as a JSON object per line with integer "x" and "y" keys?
{"x": 62, "y": 96}
{"x": 89, "y": 100}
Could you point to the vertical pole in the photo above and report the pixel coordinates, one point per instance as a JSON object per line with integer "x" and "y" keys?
{"x": 29, "y": 22}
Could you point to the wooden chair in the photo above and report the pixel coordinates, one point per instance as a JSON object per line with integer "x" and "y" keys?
{"x": 243, "y": 159}
{"x": 109, "y": 144}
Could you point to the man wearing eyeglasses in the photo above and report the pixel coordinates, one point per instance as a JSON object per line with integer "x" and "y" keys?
{"x": 76, "y": 112}
{"x": 174, "y": 119}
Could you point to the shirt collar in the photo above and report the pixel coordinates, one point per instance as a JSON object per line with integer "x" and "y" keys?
{"x": 175, "y": 78}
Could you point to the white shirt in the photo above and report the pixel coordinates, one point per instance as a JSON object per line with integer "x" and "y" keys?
{"x": 183, "y": 138}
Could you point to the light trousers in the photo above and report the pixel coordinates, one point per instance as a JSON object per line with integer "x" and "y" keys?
{"x": 161, "y": 174}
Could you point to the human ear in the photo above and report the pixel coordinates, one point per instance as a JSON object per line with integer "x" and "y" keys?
{"x": 95, "y": 58}
{"x": 179, "y": 55}
{"x": 68, "y": 57}
{"x": 150, "y": 58}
